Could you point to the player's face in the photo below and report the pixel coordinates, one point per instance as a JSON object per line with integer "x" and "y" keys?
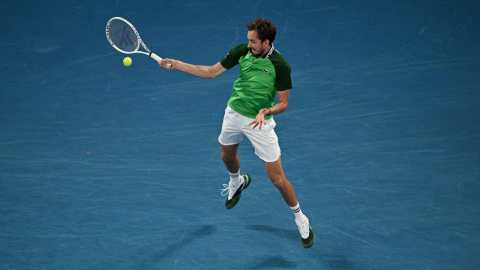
{"x": 256, "y": 46}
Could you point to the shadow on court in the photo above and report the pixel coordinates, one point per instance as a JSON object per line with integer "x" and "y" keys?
{"x": 276, "y": 261}
{"x": 169, "y": 251}
{"x": 292, "y": 235}
{"x": 336, "y": 261}
{"x": 329, "y": 260}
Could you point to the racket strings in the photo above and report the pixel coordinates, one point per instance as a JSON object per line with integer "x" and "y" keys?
{"x": 123, "y": 36}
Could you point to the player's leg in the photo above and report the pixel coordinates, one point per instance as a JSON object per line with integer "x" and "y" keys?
{"x": 230, "y": 139}
{"x": 265, "y": 142}
{"x": 278, "y": 178}
{"x": 230, "y": 157}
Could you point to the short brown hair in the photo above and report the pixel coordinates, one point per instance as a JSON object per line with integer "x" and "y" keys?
{"x": 265, "y": 29}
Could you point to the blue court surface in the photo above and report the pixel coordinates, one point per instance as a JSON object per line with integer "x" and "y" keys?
{"x": 104, "y": 166}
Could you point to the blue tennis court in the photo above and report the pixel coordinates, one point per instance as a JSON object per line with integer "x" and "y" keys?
{"x": 104, "y": 166}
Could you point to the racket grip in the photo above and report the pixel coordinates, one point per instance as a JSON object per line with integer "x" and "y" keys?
{"x": 158, "y": 59}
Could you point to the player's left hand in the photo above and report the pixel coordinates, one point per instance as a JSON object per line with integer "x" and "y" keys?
{"x": 260, "y": 119}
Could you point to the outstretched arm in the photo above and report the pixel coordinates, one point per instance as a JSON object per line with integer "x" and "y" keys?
{"x": 206, "y": 72}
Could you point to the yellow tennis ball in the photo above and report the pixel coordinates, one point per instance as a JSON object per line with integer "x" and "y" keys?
{"x": 127, "y": 61}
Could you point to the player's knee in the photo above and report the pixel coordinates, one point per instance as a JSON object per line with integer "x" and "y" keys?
{"x": 279, "y": 181}
{"x": 228, "y": 158}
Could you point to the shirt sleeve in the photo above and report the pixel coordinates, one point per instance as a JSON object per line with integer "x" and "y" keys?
{"x": 231, "y": 59}
{"x": 284, "y": 79}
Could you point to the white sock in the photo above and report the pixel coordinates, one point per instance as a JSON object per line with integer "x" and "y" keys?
{"x": 235, "y": 178}
{"x": 297, "y": 211}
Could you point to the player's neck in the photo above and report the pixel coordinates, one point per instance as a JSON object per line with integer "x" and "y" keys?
{"x": 267, "y": 50}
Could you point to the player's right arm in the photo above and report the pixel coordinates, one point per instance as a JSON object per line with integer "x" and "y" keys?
{"x": 206, "y": 72}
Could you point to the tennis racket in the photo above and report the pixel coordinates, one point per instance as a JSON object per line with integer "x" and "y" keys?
{"x": 124, "y": 38}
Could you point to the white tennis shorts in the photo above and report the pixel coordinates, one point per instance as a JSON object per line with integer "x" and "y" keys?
{"x": 236, "y": 126}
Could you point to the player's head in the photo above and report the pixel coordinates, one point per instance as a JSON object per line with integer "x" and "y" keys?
{"x": 261, "y": 34}
{"x": 265, "y": 29}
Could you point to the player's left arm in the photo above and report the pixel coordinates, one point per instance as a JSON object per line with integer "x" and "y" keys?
{"x": 280, "y": 107}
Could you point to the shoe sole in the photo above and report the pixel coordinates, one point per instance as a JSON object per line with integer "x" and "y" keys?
{"x": 229, "y": 204}
{"x": 309, "y": 244}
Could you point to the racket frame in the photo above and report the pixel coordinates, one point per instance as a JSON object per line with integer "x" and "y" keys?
{"x": 148, "y": 52}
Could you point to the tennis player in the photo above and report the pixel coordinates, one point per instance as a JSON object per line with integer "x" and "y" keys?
{"x": 264, "y": 73}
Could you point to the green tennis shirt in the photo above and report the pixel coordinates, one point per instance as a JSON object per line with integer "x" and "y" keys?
{"x": 258, "y": 81}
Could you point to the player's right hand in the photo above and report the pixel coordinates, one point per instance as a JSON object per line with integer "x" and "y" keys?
{"x": 167, "y": 64}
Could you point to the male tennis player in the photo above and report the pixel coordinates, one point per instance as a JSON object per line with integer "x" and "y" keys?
{"x": 264, "y": 72}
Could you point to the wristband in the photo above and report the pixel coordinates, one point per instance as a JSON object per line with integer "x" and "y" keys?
{"x": 270, "y": 112}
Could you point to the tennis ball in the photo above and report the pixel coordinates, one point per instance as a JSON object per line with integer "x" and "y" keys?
{"x": 127, "y": 61}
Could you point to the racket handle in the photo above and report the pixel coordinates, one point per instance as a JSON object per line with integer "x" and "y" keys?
{"x": 158, "y": 59}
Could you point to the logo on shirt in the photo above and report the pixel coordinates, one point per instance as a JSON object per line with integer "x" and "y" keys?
{"x": 266, "y": 71}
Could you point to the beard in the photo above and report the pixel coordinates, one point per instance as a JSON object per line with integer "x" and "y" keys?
{"x": 258, "y": 53}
